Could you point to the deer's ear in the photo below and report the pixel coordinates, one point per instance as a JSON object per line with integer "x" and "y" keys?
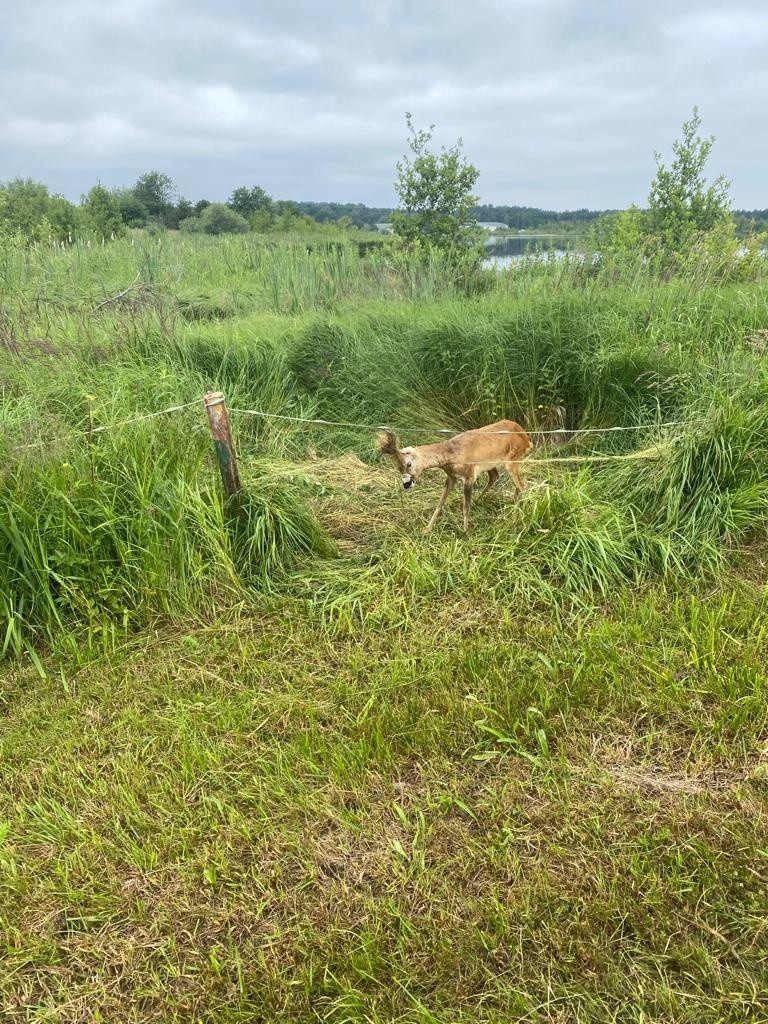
{"x": 388, "y": 444}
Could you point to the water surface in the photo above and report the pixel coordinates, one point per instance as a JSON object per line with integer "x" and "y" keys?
{"x": 503, "y": 251}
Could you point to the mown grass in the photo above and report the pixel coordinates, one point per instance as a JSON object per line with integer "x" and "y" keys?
{"x": 486, "y": 814}
{"x": 292, "y": 761}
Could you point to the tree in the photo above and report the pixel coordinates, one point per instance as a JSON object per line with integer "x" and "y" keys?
{"x": 63, "y": 219}
{"x": 190, "y": 226}
{"x": 154, "y": 190}
{"x": 247, "y": 201}
{"x": 102, "y": 212}
{"x": 184, "y": 208}
{"x": 288, "y": 218}
{"x": 623, "y": 234}
{"x": 25, "y": 206}
{"x": 686, "y": 219}
{"x": 680, "y": 206}
{"x": 174, "y": 215}
{"x": 435, "y": 191}
{"x": 262, "y": 220}
{"x": 29, "y": 210}
{"x": 132, "y": 211}
{"x": 218, "y": 219}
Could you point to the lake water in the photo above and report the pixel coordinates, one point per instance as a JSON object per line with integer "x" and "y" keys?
{"x": 503, "y": 251}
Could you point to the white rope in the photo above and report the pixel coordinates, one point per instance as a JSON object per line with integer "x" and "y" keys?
{"x": 144, "y": 416}
{"x": 109, "y": 426}
{"x": 646, "y": 454}
{"x": 34, "y": 444}
{"x": 446, "y": 430}
{"x": 654, "y": 454}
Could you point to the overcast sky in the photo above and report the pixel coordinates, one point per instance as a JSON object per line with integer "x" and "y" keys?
{"x": 560, "y": 103}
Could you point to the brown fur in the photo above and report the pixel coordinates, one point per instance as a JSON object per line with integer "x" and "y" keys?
{"x": 488, "y": 449}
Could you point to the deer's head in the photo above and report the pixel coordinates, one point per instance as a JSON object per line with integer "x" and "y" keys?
{"x": 407, "y": 460}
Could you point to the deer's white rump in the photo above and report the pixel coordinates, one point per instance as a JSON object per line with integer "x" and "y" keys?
{"x": 464, "y": 457}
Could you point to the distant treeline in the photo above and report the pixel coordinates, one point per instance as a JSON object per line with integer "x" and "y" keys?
{"x": 356, "y": 213}
{"x": 29, "y": 210}
{"x": 749, "y": 221}
{"x": 516, "y": 217}
{"x": 525, "y": 218}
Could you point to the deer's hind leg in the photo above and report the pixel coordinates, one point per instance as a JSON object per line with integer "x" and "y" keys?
{"x": 513, "y": 468}
{"x": 493, "y": 476}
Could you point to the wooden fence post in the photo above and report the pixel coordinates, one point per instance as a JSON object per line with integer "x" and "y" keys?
{"x": 222, "y": 440}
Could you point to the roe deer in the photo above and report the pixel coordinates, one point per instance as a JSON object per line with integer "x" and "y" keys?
{"x": 488, "y": 449}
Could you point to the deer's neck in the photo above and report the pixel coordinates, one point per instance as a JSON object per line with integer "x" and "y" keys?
{"x": 432, "y": 456}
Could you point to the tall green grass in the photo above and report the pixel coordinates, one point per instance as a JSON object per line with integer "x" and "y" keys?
{"x": 127, "y": 524}
{"x": 203, "y": 279}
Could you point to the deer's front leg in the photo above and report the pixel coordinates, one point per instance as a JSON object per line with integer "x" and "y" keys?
{"x": 449, "y": 485}
{"x": 467, "y": 503}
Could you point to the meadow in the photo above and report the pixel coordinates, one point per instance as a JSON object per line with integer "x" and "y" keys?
{"x": 290, "y": 760}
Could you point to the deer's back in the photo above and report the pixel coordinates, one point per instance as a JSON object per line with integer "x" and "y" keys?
{"x": 503, "y": 440}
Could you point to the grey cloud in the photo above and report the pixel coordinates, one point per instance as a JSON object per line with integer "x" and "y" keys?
{"x": 560, "y": 103}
